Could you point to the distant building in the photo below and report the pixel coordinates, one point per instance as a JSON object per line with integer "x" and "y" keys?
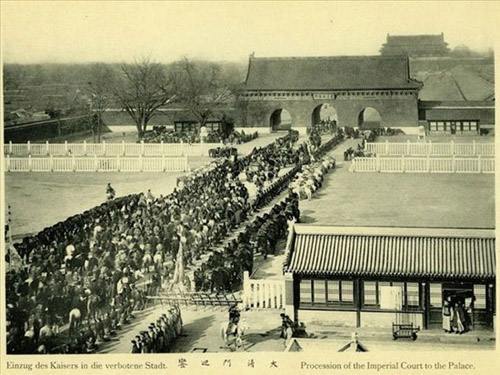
{"x": 415, "y": 45}
{"x": 458, "y": 117}
{"x": 362, "y": 91}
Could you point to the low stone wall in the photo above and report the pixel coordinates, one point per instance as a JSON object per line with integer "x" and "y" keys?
{"x": 327, "y": 318}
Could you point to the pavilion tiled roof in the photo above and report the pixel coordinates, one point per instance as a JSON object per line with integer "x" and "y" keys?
{"x": 437, "y": 39}
{"x": 329, "y": 73}
{"x": 392, "y": 252}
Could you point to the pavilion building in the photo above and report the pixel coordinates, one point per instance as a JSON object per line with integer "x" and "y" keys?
{"x": 415, "y": 45}
{"x": 343, "y": 275}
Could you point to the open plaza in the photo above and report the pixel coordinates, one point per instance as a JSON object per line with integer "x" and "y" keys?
{"x": 345, "y": 199}
{"x": 288, "y": 202}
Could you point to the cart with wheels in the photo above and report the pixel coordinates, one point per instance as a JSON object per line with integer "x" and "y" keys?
{"x": 405, "y": 325}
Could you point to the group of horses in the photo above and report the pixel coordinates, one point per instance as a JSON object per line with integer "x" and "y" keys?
{"x": 351, "y": 153}
{"x": 311, "y": 177}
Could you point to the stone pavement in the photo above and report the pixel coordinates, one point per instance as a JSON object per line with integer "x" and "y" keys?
{"x": 201, "y": 330}
{"x": 201, "y": 333}
{"x": 273, "y": 266}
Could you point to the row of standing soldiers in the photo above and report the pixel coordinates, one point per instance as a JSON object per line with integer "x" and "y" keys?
{"x": 160, "y": 334}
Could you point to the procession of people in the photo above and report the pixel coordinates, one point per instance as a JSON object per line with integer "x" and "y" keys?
{"x": 84, "y": 276}
{"x": 160, "y": 334}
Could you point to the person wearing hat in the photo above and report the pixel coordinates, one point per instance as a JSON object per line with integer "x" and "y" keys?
{"x": 110, "y": 192}
{"x": 152, "y": 334}
{"x": 135, "y": 347}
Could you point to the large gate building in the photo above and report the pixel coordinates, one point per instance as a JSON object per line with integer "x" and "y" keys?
{"x": 361, "y": 91}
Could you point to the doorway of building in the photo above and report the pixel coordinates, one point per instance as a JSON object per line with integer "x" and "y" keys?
{"x": 281, "y": 120}
{"x": 369, "y": 118}
{"x": 466, "y": 300}
{"x": 324, "y": 113}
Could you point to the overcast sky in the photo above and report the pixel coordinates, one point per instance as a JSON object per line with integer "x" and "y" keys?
{"x": 65, "y": 31}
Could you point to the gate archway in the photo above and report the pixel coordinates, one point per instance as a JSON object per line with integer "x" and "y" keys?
{"x": 324, "y": 112}
{"x": 369, "y": 118}
{"x": 281, "y": 119}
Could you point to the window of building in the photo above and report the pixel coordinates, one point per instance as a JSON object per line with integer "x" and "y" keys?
{"x": 333, "y": 290}
{"x": 319, "y": 292}
{"x": 372, "y": 293}
{"x": 306, "y": 291}
{"x": 412, "y": 295}
{"x": 347, "y": 291}
{"x": 436, "y": 294}
{"x": 480, "y": 294}
{"x": 327, "y": 292}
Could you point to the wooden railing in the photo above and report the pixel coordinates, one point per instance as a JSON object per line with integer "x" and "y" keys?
{"x": 108, "y": 149}
{"x": 263, "y": 294}
{"x": 423, "y": 165}
{"x": 97, "y": 164}
{"x": 432, "y": 149}
{"x": 197, "y": 298}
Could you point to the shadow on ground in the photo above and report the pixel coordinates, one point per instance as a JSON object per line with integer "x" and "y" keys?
{"x": 194, "y": 332}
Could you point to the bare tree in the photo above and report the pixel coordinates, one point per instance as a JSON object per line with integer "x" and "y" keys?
{"x": 201, "y": 88}
{"x": 142, "y": 89}
{"x": 99, "y": 88}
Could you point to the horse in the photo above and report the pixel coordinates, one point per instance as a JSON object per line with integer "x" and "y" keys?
{"x": 75, "y": 317}
{"x": 92, "y": 306}
{"x": 232, "y": 335}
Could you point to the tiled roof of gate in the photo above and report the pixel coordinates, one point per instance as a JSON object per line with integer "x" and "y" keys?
{"x": 329, "y": 73}
{"x": 416, "y": 39}
{"x": 397, "y": 252}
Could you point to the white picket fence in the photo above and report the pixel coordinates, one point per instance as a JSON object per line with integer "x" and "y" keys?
{"x": 423, "y": 165}
{"x": 263, "y": 294}
{"x": 432, "y": 149}
{"x": 97, "y": 164}
{"x": 108, "y": 149}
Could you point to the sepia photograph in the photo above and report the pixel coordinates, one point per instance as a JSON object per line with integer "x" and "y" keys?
{"x": 245, "y": 177}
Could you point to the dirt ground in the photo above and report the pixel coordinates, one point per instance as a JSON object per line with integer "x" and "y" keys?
{"x": 39, "y": 200}
{"x": 422, "y": 200}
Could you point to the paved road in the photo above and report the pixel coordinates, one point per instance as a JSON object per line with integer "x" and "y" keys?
{"x": 272, "y": 268}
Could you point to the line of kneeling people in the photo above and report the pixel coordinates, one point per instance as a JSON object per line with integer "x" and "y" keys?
{"x": 160, "y": 335}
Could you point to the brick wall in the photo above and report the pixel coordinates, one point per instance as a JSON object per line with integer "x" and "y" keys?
{"x": 399, "y": 111}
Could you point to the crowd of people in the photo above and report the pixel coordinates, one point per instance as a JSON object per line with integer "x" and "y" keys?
{"x": 93, "y": 269}
{"x": 264, "y": 163}
{"x": 314, "y": 140}
{"x": 160, "y": 334}
{"x": 325, "y": 126}
{"x": 83, "y": 277}
{"x": 222, "y": 152}
{"x": 223, "y": 269}
{"x": 194, "y": 135}
{"x": 457, "y": 314}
